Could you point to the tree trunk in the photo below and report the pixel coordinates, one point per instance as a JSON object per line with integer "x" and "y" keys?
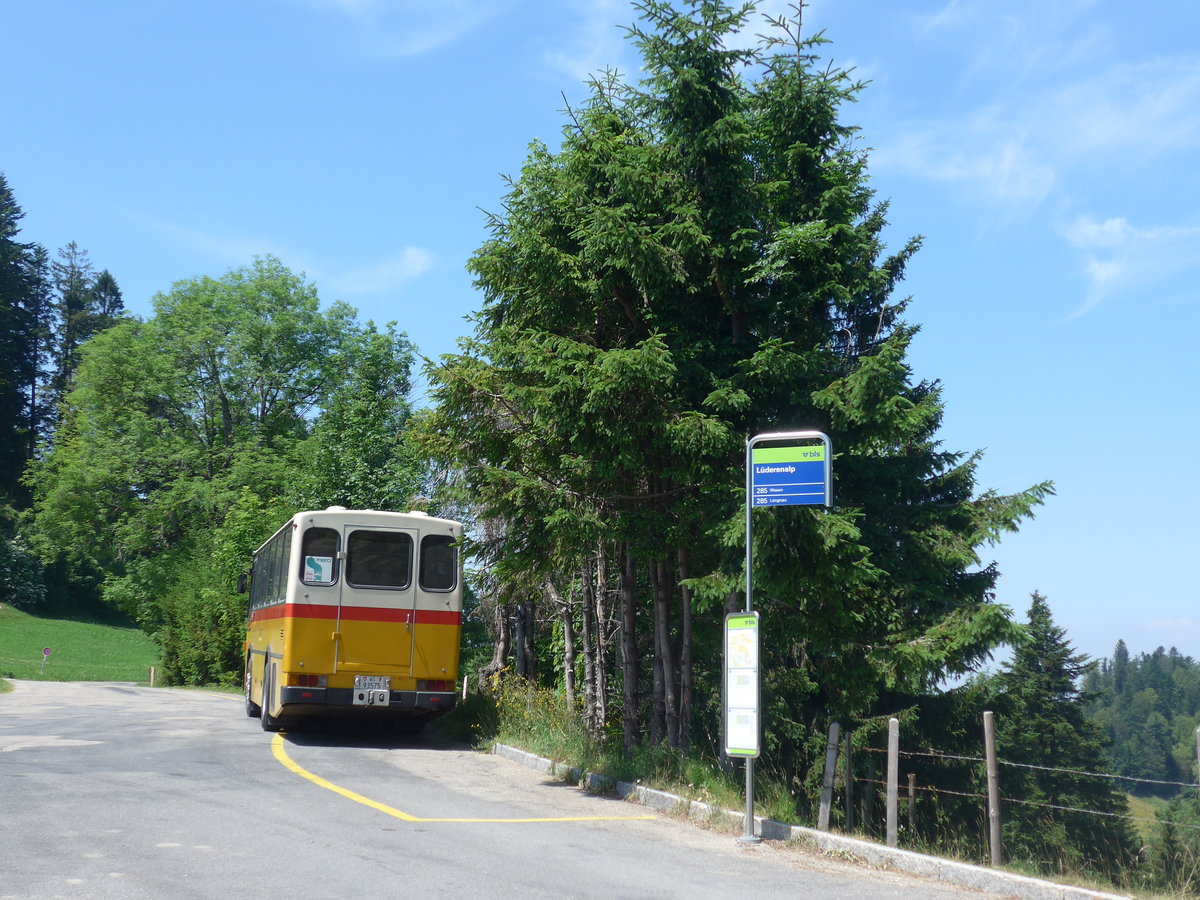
{"x": 686, "y": 674}
{"x": 663, "y": 591}
{"x": 661, "y": 674}
{"x": 629, "y": 653}
{"x": 527, "y": 640}
{"x": 501, "y": 644}
{"x": 568, "y": 624}
{"x": 591, "y": 646}
{"x": 604, "y": 635}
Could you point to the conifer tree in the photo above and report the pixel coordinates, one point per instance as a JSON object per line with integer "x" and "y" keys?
{"x": 22, "y": 321}
{"x": 1044, "y": 727}
{"x": 85, "y": 303}
{"x": 701, "y": 260}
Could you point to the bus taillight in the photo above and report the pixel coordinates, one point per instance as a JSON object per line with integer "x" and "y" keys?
{"x": 294, "y": 679}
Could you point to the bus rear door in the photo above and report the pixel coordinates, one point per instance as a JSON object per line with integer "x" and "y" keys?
{"x": 377, "y": 601}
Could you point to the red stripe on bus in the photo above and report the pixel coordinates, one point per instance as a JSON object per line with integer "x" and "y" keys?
{"x": 357, "y": 614}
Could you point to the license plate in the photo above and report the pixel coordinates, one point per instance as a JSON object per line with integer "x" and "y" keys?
{"x": 372, "y": 690}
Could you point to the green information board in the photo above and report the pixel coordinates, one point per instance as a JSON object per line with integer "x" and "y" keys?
{"x": 741, "y": 685}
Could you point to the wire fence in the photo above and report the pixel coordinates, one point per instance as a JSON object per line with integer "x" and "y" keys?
{"x": 937, "y": 754}
{"x": 979, "y": 763}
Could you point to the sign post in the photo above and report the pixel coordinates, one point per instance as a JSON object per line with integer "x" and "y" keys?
{"x": 45, "y": 658}
{"x": 783, "y": 468}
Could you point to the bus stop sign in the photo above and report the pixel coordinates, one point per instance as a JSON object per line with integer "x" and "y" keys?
{"x": 797, "y": 475}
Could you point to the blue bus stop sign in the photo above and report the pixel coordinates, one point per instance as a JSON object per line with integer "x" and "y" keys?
{"x": 790, "y": 476}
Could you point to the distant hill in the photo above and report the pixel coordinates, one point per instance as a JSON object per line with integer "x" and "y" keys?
{"x": 1149, "y": 706}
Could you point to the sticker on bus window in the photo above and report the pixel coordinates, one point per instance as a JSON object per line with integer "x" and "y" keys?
{"x": 318, "y": 570}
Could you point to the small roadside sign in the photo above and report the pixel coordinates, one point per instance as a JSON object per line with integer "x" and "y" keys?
{"x": 741, "y": 685}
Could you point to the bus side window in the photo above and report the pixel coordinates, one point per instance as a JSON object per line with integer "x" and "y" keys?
{"x": 439, "y": 563}
{"x": 379, "y": 559}
{"x": 318, "y": 556}
{"x": 278, "y": 575}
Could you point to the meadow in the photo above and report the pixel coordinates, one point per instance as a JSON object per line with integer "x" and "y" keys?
{"x": 79, "y": 651}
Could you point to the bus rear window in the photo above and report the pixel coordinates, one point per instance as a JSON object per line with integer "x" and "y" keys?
{"x": 439, "y": 563}
{"x": 379, "y": 559}
{"x": 319, "y": 556}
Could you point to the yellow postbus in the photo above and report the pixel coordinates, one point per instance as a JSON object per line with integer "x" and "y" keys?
{"x": 354, "y": 612}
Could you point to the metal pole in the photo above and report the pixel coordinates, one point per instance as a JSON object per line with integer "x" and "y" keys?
{"x": 748, "y": 835}
{"x": 893, "y": 781}
{"x": 993, "y": 782}
{"x": 831, "y": 751}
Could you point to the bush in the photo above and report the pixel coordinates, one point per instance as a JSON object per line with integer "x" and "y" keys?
{"x": 21, "y": 582}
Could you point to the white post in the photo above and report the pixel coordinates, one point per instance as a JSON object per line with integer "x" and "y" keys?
{"x": 893, "y": 781}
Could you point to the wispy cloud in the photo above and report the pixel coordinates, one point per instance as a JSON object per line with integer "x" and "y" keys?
{"x": 1145, "y": 108}
{"x": 392, "y": 29}
{"x": 597, "y": 42}
{"x": 995, "y": 163}
{"x": 224, "y": 249}
{"x": 384, "y": 276}
{"x": 1045, "y": 113}
{"x": 1040, "y": 102}
{"x": 1119, "y": 257}
{"x": 380, "y": 277}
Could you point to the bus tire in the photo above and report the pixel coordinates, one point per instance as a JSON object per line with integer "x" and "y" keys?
{"x": 269, "y": 722}
{"x": 253, "y": 710}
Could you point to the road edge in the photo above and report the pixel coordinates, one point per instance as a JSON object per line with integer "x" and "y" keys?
{"x": 869, "y": 853}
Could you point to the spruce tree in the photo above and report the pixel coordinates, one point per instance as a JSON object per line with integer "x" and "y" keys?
{"x": 701, "y": 260}
{"x": 19, "y": 329}
{"x": 1045, "y": 735}
{"x": 85, "y": 303}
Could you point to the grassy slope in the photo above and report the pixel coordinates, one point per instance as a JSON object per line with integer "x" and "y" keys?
{"x": 80, "y": 651}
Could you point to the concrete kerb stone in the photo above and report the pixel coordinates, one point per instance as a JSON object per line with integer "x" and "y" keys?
{"x": 876, "y": 855}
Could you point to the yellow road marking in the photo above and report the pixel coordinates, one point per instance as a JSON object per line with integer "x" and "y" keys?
{"x": 277, "y": 748}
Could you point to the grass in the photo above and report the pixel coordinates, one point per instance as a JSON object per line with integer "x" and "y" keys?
{"x": 1143, "y": 808}
{"x": 79, "y": 651}
{"x": 536, "y": 720}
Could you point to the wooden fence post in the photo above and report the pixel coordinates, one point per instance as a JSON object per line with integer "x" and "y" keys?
{"x": 893, "y": 781}
{"x": 993, "y": 783}
{"x": 831, "y": 750}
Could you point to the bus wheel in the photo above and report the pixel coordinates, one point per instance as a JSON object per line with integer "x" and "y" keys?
{"x": 253, "y": 710}
{"x": 269, "y": 722}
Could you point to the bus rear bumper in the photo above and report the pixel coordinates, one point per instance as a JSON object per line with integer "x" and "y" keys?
{"x": 302, "y": 701}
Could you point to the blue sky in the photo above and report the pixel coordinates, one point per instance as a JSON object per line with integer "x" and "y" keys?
{"x": 1046, "y": 151}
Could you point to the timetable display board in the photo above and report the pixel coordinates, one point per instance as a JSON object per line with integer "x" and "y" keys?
{"x": 741, "y": 685}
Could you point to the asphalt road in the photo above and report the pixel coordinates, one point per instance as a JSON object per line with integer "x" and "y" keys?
{"x": 116, "y": 791}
